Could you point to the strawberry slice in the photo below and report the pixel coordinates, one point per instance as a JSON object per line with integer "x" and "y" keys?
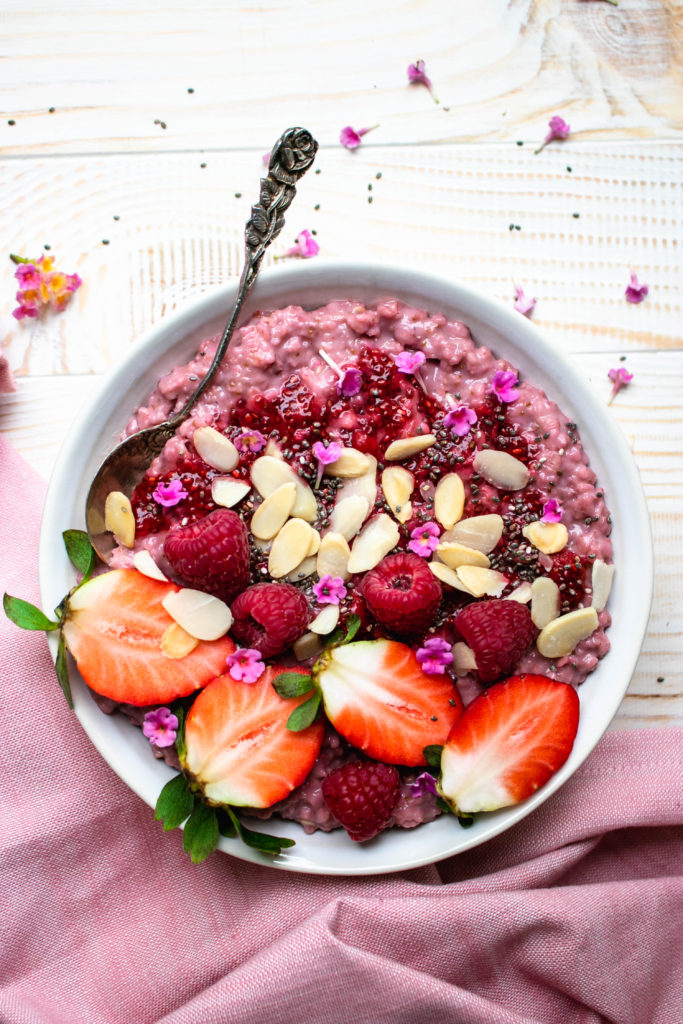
{"x": 239, "y": 750}
{"x": 113, "y": 629}
{"x": 377, "y": 695}
{"x": 509, "y": 741}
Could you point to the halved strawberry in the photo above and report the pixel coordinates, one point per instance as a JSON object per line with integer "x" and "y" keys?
{"x": 114, "y": 627}
{"x": 509, "y": 741}
{"x": 239, "y": 750}
{"x": 376, "y": 694}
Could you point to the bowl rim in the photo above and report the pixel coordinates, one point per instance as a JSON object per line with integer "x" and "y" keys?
{"x": 337, "y": 278}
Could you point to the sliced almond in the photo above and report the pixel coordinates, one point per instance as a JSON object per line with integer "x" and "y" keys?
{"x": 406, "y": 447}
{"x": 348, "y": 515}
{"x": 273, "y": 512}
{"x": 365, "y": 485}
{"x": 449, "y": 500}
{"x": 546, "y": 537}
{"x": 397, "y": 486}
{"x": 482, "y": 582}
{"x": 314, "y": 546}
{"x": 326, "y": 620}
{"x": 601, "y": 583}
{"x": 448, "y": 576}
{"x": 227, "y": 491}
{"x": 290, "y": 547}
{"x": 268, "y": 473}
{"x": 560, "y": 637}
{"x": 464, "y": 661}
{"x": 216, "y": 449}
{"x": 333, "y": 556}
{"x": 273, "y": 448}
{"x": 376, "y": 540}
{"x": 480, "y": 532}
{"x": 303, "y": 570}
{"x": 350, "y": 463}
{"x": 522, "y": 593}
{"x": 501, "y": 469}
{"x": 309, "y": 645}
{"x": 177, "y": 642}
{"x": 144, "y": 563}
{"x": 201, "y": 615}
{"x": 458, "y": 554}
{"x": 119, "y": 518}
{"x": 545, "y": 601}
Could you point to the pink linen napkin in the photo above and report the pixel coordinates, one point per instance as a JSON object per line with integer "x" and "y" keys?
{"x": 574, "y": 915}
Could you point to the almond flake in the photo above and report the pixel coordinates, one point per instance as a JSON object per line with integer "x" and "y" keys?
{"x": 406, "y": 447}
{"x": 560, "y": 637}
{"x": 268, "y": 473}
{"x": 350, "y": 463}
{"x": 479, "y": 532}
{"x": 309, "y": 645}
{"x": 216, "y": 449}
{"x": 289, "y": 548}
{"x": 303, "y": 570}
{"x": 119, "y": 518}
{"x": 448, "y": 576}
{"x": 273, "y": 448}
{"x": 549, "y": 538}
{"x": 177, "y": 642}
{"x": 449, "y": 500}
{"x": 348, "y": 515}
{"x": 201, "y": 615}
{"x": 273, "y": 512}
{"x": 228, "y": 492}
{"x": 326, "y": 620}
{"x": 602, "y": 577}
{"x": 364, "y": 485}
{"x": 455, "y": 555}
{"x": 333, "y": 556}
{"x": 501, "y": 469}
{"x": 522, "y": 593}
{"x": 482, "y": 582}
{"x": 545, "y": 601}
{"x": 397, "y": 487}
{"x": 144, "y": 563}
{"x": 464, "y": 661}
{"x": 314, "y": 545}
{"x": 376, "y": 540}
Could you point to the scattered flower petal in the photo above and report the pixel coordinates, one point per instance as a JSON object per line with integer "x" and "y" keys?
{"x": 417, "y": 75}
{"x": 460, "y": 420}
{"x": 326, "y": 455}
{"x": 435, "y": 655}
{"x": 350, "y": 382}
{"x": 329, "y": 589}
{"x": 409, "y": 362}
{"x": 305, "y": 246}
{"x": 552, "y": 511}
{"x": 523, "y": 304}
{"x": 559, "y": 129}
{"x": 424, "y": 783}
{"x": 169, "y": 494}
{"x": 424, "y": 539}
{"x": 246, "y": 665}
{"x": 250, "y": 441}
{"x": 636, "y": 292}
{"x": 352, "y": 137}
{"x": 41, "y": 286}
{"x": 620, "y": 378}
{"x": 160, "y": 727}
{"x": 504, "y": 386}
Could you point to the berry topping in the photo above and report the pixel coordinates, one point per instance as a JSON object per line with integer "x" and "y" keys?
{"x": 402, "y": 594}
{"x": 362, "y": 796}
{"x": 499, "y": 632}
{"x": 269, "y": 617}
{"x": 212, "y": 554}
{"x": 569, "y": 572}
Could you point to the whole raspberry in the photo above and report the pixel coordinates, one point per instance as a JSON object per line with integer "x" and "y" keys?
{"x": 212, "y": 554}
{"x": 499, "y": 632}
{"x": 269, "y": 617}
{"x": 362, "y": 796}
{"x": 402, "y": 594}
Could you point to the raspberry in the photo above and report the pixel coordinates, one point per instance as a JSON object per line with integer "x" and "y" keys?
{"x": 362, "y": 796}
{"x": 402, "y": 594}
{"x": 269, "y": 617}
{"x": 212, "y": 554}
{"x": 569, "y": 572}
{"x": 498, "y": 632}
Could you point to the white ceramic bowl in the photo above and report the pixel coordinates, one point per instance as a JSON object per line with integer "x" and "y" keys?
{"x": 510, "y": 335}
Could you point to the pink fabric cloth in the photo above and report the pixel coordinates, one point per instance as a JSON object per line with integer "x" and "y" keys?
{"x": 575, "y": 915}
{"x": 7, "y": 381}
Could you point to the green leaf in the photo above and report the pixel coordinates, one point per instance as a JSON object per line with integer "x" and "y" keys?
{"x": 62, "y": 670}
{"x": 174, "y": 803}
{"x": 339, "y": 637}
{"x": 292, "y": 684}
{"x": 258, "y": 840}
{"x": 432, "y": 755}
{"x": 225, "y": 825}
{"x": 443, "y": 806}
{"x": 302, "y": 716}
{"x": 200, "y": 837}
{"x": 26, "y": 615}
{"x": 80, "y": 551}
{"x": 466, "y": 820}
{"x": 181, "y": 749}
{"x": 19, "y": 259}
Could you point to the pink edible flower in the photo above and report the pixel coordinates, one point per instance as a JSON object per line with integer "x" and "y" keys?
{"x": 250, "y": 441}
{"x": 620, "y": 378}
{"x": 559, "y": 129}
{"x": 409, "y": 362}
{"x": 169, "y": 494}
{"x": 417, "y": 75}
{"x": 504, "y": 386}
{"x": 352, "y": 138}
{"x": 635, "y": 292}
{"x": 424, "y": 783}
{"x": 350, "y": 382}
{"x": 41, "y": 286}
{"x": 424, "y": 539}
{"x": 460, "y": 420}
{"x": 305, "y": 246}
{"x": 329, "y": 589}
{"x": 326, "y": 455}
{"x": 552, "y": 511}
{"x": 160, "y": 727}
{"x": 523, "y": 305}
{"x": 435, "y": 655}
{"x": 246, "y": 665}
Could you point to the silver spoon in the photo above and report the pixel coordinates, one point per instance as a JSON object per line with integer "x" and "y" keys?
{"x": 124, "y": 467}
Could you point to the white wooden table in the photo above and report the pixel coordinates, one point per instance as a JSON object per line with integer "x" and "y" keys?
{"x": 132, "y": 138}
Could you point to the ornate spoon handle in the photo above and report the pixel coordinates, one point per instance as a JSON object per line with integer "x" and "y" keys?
{"x": 292, "y": 155}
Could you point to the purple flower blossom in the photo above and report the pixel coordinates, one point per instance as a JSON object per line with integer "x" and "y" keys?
{"x": 246, "y": 665}
{"x": 169, "y": 494}
{"x": 559, "y": 129}
{"x": 620, "y": 378}
{"x": 504, "y": 386}
{"x": 552, "y": 511}
{"x": 329, "y": 589}
{"x": 250, "y": 441}
{"x": 160, "y": 727}
{"x": 352, "y": 137}
{"x": 424, "y": 539}
{"x": 460, "y": 420}
{"x": 523, "y": 304}
{"x": 325, "y": 455}
{"x": 41, "y": 286}
{"x": 636, "y": 292}
{"x": 417, "y": 75}
{"x": 424, "y": 783}
{"x": 409, "y": 362}
{"x": 305, "y": 246}
{"x": 350, "y": 382}
{"x": 435, "y": 655}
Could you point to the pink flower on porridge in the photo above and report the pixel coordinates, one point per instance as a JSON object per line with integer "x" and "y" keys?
{"x": 250, "y": 441}
{"x": 350, "y": 382}
{"x": 460, "y": 420}
{"x": 417, "y": 75}
{"x": 326, "y": 455}
{"x": 352, "y": 138}
{"x": 523, "y": 304}
{"x": 329, "y": 589}
{"x": 424, "y": 783}
{"x": 504, "y": 385}
{"x": 620, "y": 379}
{"x": 424, "y": 539}
{"x": 435, "y": 655}
{"x": 246, "y": 665}
{"x": 169, "y": 494}
{"x": 304, "y": 246}
{"x": 552, "y": 511}
{"x": 409, "y": 362}
{"x": 160, "y": 727}
{"x": 635, "y": 292}
{"x": 559, "y": 129}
